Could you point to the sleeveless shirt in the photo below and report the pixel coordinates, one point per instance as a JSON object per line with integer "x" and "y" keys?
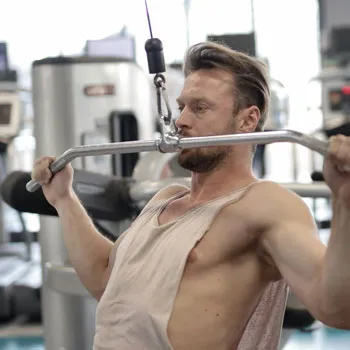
{"x": 135, "y": 309}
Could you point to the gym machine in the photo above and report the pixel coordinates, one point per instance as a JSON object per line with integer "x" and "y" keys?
{"x": 78, "y": 101}
{"x": 333, "y": 82}
{"x": 20, "y": 278}
{"x": 334, "y": 78}
{"x": 10, "y": 106}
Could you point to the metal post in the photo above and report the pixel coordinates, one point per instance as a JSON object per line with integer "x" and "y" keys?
{"x": 143, "y": 191}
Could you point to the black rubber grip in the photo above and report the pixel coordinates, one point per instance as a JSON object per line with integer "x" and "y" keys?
{"x": 155, "y": 56}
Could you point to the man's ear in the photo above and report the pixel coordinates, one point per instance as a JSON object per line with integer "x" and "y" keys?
{"x": 249, "y": 119}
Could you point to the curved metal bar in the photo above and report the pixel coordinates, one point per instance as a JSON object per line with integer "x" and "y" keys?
{"x": 174, "y": 144}
{"x": 256, "y": 138}
{"x": 95, "y": 150}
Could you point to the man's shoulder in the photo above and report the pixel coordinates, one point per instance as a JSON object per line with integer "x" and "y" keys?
{"x": 269, "y": 201}
{"x": 171, "y": 190}
{"x": 168, "y": 192}
{"x": 270, "y": 191}
{"x": 164, "y": 194}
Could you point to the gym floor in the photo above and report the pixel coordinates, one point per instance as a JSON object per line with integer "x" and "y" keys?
{"x": 18, "y": 336}
{"x": 321, "y": 339}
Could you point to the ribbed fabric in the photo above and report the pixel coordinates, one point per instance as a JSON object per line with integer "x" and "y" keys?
{"x": 134, "y": 311}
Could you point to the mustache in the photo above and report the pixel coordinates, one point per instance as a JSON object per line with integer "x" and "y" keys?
{"x": 183, "y": 134}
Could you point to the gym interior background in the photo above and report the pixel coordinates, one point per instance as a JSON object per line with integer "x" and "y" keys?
{"x": 50, "y": 52}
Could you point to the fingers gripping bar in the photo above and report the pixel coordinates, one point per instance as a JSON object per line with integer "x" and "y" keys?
{"x": 170, "y": 144}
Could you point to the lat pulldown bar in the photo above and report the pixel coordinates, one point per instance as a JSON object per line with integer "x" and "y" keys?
{"x": 170, "y": 144}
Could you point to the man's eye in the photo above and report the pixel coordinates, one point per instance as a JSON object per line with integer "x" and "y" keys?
{"x": 201, "y": 108}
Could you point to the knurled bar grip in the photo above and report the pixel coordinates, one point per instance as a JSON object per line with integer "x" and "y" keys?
{"x": 174, "y": 144}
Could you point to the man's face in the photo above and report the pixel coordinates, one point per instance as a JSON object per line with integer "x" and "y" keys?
{"x": 207, "y": 108}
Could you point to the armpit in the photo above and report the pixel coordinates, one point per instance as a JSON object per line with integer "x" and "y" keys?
{"x": 271, "y": 268}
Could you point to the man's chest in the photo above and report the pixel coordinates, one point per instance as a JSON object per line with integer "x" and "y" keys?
{"x": 227, "y": 238}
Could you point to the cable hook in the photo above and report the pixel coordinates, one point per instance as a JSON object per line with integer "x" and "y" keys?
{"x": 156, "y": 65}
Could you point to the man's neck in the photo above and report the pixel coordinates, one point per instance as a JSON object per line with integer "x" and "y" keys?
{"x": 224, "y": 179}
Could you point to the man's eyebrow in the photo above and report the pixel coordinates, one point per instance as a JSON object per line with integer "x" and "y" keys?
{"x": 181, "y": 100}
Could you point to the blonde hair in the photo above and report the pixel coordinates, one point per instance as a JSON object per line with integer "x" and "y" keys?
{"x": 250, "y": 74}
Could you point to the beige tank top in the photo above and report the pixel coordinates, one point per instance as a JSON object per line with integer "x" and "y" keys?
{"x": 134, "y": 311}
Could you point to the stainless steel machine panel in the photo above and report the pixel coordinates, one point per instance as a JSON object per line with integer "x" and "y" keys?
{"x": 72, "y": 100}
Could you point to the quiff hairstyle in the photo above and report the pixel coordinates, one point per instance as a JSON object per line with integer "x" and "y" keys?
{"x": 251, "y": 87}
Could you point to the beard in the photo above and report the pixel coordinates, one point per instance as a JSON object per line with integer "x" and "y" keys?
{"x": 204, "y": 160}
{"x": 207, "y": 159}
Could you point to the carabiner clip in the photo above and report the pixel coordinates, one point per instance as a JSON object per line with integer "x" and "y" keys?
{"x": 167, "y": 124}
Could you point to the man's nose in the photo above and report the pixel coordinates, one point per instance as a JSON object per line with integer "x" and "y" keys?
{"x": 184, "y": 120}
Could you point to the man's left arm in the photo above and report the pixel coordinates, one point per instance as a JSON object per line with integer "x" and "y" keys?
{"x": 319, "y": 276}
{"x": 336, "y": 266}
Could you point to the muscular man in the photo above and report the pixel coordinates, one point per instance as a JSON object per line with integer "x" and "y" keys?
{"x": 207, "y": 267}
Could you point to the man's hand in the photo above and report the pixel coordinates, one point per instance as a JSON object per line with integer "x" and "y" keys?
{"x": 337, "y": 167}
{"x": 55, "y": 187}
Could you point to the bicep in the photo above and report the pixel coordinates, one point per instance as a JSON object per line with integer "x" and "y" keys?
{"x": 298, "y": 253}
{"x": 289, "y": 241}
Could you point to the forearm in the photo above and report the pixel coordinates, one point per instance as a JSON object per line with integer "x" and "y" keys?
{"x": 88, "y": 250}
{"x": 335, "y": 278}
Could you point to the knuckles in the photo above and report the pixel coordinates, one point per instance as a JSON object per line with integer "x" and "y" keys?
{"x": 339, "y": 144}
{"x": 339, "y": 152}
{"x": 41, "y": 171}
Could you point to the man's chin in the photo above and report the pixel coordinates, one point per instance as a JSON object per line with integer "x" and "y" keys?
{"x": 182, "y": 158}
